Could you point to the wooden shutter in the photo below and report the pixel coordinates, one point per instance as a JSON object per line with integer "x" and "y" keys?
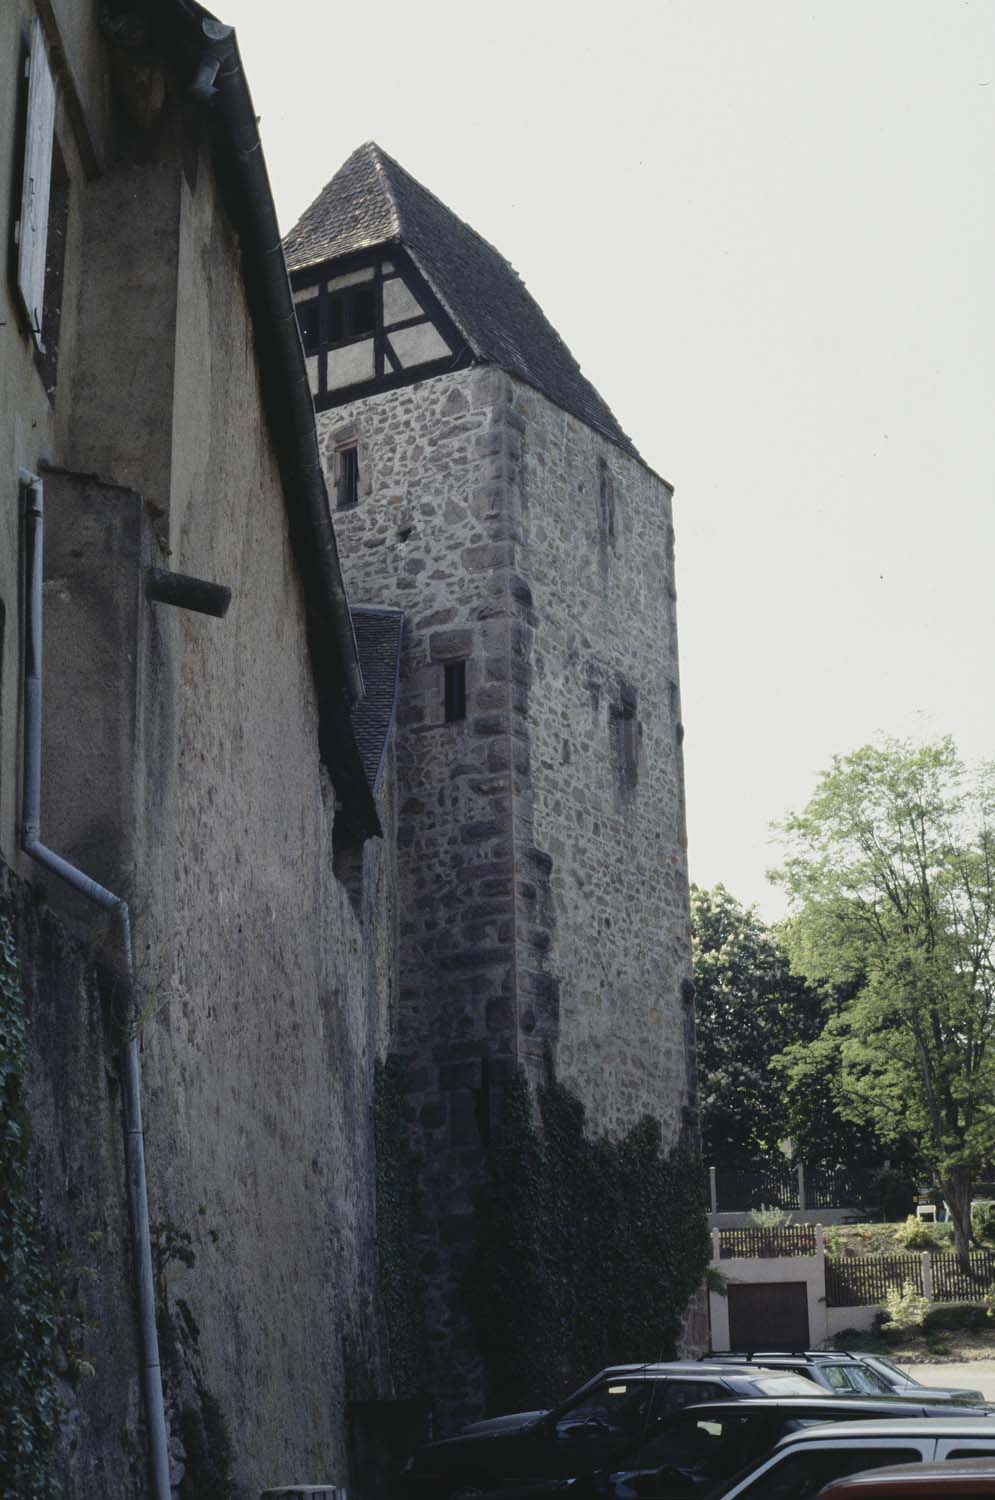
{"x": 32, "y": 237}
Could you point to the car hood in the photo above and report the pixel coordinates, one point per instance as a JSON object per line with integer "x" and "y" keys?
{"x": 940, "y": 1393}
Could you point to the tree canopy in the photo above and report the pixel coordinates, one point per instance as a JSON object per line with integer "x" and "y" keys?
{"x": 890, "y": 874}
{"x": 749, "y": 1007}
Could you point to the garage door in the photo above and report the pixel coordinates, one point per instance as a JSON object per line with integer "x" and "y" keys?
{"x": 769, "y": 1316}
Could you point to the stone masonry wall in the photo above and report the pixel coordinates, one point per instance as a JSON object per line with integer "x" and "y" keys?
{"x": 603, "y": 924}
{"x": 542, "y": 877}
{"x": 430, "y": 536}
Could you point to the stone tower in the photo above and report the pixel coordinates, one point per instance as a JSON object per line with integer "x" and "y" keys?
{"x": 483, "y": 487}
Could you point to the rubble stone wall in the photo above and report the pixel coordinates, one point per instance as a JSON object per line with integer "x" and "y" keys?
{"x": 542, "y": 874}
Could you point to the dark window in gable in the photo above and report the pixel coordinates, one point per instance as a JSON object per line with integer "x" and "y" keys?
{"x": 347, "y": 476}
{"x": 455, "y": 691}
{"x": 360, "y": 310}
{"x": 352, "y": 313}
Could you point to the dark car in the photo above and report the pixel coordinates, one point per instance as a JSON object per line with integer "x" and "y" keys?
{"x": 706, "y": 1445}
{"x": 591, "y": 1430}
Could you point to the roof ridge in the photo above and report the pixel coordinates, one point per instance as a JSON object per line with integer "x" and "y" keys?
{"x": 379, "y": 157}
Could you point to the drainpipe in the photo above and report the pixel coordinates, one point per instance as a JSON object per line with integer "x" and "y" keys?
{"x": 138, "y": 1205}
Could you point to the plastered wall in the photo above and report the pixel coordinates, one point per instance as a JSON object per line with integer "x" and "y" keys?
{"x": 266, "y": 991}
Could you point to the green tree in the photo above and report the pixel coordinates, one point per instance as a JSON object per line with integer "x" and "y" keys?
{"x": 748, "y": 1007}
{"x": 891, "y": 878}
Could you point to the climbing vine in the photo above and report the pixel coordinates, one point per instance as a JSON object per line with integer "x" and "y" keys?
{"x": 28, "y": 1322}
{"x": 587, "y": 1249}
{"x": 397, "y": 1272}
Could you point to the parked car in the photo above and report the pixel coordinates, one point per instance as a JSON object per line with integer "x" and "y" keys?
{"x": 904, "y": 1384}
{"x": 589, "y": 1431}
{"x": 705, "y": 1445}
{"x": 843, "y": 1374}
{"x": 805, "y": 1461}
{"x": 960, "y": 1479}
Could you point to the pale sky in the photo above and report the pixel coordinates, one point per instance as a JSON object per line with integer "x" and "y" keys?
{"x": 766, "y": 229}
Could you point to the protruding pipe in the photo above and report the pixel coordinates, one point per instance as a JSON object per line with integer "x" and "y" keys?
{"x": 187, "y": 593}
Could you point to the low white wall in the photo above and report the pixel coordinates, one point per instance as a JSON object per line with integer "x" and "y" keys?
{"x": 807, "y": 1268}
{"x": 838, "y": 1318}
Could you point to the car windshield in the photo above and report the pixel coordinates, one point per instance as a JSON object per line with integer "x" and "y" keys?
{"x": 880, "y": 1363}
{"x": 787, "y": 1385}
{"x": 860, "y": 1378}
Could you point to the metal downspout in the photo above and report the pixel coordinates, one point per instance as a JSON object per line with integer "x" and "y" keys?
{"x": 138, "y": 1206}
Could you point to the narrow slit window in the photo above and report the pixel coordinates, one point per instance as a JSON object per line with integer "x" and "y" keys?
{"x": 347, "y": 479}
{"x": 455, "y": 691}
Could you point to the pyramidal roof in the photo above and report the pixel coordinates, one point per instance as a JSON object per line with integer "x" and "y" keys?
{"x": 373, "y": 201}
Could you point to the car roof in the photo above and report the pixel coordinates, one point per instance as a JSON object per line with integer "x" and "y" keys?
{"x": 960, "y": 1476}
{"x": 820, "y": 1356}
{"x": 901, "y": 1407}
{"x": 682, "y": 1367}
{"x": 933, "y": 1427}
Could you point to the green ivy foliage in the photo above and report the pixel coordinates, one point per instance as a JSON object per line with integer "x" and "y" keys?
{"x": 396, "y": 1195}
{"x": 28, "y": 1405}
{"x": 587, "y": 1249}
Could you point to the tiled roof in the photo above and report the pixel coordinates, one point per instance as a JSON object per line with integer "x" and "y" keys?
{"x": 372, "y": 201}
{"x": 378, "y": 640}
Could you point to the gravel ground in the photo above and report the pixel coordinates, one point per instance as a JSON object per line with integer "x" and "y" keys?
{"x": 975, "y": 1374}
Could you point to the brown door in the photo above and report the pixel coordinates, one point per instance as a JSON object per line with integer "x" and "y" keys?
{"x": 771, "y": 1315}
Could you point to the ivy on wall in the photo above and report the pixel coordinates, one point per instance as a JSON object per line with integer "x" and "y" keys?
{"x": 587, "y": 1249}
{"x": 398, "y": 1278}
{"x": 28, "y": 1405}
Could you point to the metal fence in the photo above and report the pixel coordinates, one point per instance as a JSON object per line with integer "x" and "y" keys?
{"x": 865, "y": 1281}
{"x": 868, "y": 1191}
{"x": 842, "y": 1187}
{"x": 786, "y": 1239}
{"x": 952, "y": 1284}
{"x": 769, "y": 1185}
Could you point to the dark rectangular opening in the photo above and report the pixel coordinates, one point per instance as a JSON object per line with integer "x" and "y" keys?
{"x": 455, "y": 691}
{"x": 351, "y": 314}
{"x": 361, "y": 311}
{"x": 307, "y": 318}
{"x": 348, "y": 477}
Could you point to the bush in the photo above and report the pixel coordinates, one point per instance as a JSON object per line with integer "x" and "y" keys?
{"x": 766, "y": 1217}
{"x": 905, "y": 1309}
{"x": 983, "y": 1222}
{"x": 917, "y": 1235}
{"x": 955, "y": 1315}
